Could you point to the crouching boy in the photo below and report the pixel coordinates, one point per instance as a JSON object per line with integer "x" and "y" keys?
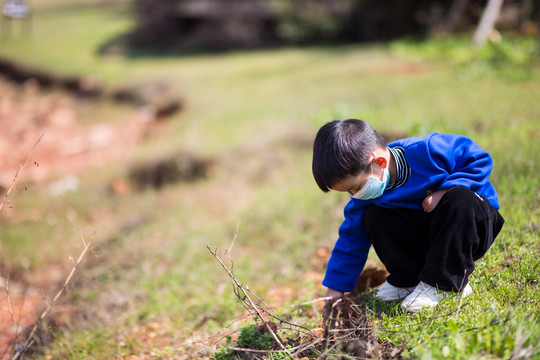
{"x": 425, "y": 203}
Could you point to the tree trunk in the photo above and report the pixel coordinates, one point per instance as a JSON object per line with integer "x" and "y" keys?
{"x": 489, "y": 16}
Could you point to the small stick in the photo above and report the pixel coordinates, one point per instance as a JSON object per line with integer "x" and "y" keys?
{"x": 22, "y": 166}
{"x": 9, "y": 300}
{"x": 312, "y": 301}
{"x": 252, "y": 303}
{"x": 233, "y": 241}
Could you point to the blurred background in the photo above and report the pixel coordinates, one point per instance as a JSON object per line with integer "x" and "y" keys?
{"x": 154, "y": 129}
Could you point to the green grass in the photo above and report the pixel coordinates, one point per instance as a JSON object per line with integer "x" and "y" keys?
{"x": 252, "y": 111}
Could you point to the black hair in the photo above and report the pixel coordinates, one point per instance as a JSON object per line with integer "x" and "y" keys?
{"x": 341, "y": 149}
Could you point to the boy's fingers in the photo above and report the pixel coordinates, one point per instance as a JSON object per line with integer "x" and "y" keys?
{"x": 426, "y": 204}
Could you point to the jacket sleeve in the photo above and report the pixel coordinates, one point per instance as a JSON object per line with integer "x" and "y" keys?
{"x": 465, "y": 162}
{"x": 351, "y": 250}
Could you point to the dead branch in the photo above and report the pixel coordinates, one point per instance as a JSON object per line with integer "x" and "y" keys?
{"x": 251, "y": 303}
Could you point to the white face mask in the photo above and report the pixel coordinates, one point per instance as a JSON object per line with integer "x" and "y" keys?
{"x": 373, "y": 188}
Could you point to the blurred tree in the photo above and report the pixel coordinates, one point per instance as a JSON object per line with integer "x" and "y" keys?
{"x": 156, "y": 22}
{"x": 204, "y": 24}
{"x": 230, "y": 24}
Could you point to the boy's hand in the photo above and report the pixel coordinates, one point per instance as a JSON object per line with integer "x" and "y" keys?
{"x": 332, "y": 307}
{"x": 333, "y": 296}
{"x": 431, "y": 201}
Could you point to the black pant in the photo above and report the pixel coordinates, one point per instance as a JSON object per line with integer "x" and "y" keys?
{"x": 439, "y": 247}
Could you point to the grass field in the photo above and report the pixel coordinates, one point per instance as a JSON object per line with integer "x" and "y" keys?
{"x": 151, "y": 287}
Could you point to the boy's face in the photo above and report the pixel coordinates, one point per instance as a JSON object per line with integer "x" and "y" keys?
{"x": 354, "y": 183}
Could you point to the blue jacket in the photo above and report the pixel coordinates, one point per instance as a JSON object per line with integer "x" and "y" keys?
{"x": 437, "y": 161}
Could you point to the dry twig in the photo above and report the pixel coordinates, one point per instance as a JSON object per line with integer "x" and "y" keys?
{"x": 253, "y": 306}
{"x": 21, "y": 167}
{"x": 9, "y": 300}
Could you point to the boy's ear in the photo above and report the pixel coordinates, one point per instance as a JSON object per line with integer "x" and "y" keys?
{"x": 381, "y": 162}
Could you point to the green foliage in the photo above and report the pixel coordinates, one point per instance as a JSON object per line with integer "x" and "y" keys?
{"x": 513, "y": 57}
{"x": 95, "y": 344}
{"x": 250, "y": 338}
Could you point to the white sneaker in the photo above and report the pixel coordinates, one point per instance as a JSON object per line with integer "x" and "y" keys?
{"x": 427, "y": 296}
{"x": 389, "y": 292}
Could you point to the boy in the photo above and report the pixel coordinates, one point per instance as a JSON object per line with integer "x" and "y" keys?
{"x": 425, "y": 203}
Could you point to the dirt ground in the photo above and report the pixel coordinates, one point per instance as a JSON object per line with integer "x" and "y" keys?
{"x": 48, "y": 121}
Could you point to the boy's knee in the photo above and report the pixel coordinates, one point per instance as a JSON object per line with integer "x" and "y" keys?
{"x": 460, "y": 196}
{"x": 460, "y": 200}
{"x": 460, "y": 192}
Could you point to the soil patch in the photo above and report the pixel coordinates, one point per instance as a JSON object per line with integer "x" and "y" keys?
{"x": 27, "y": 114}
